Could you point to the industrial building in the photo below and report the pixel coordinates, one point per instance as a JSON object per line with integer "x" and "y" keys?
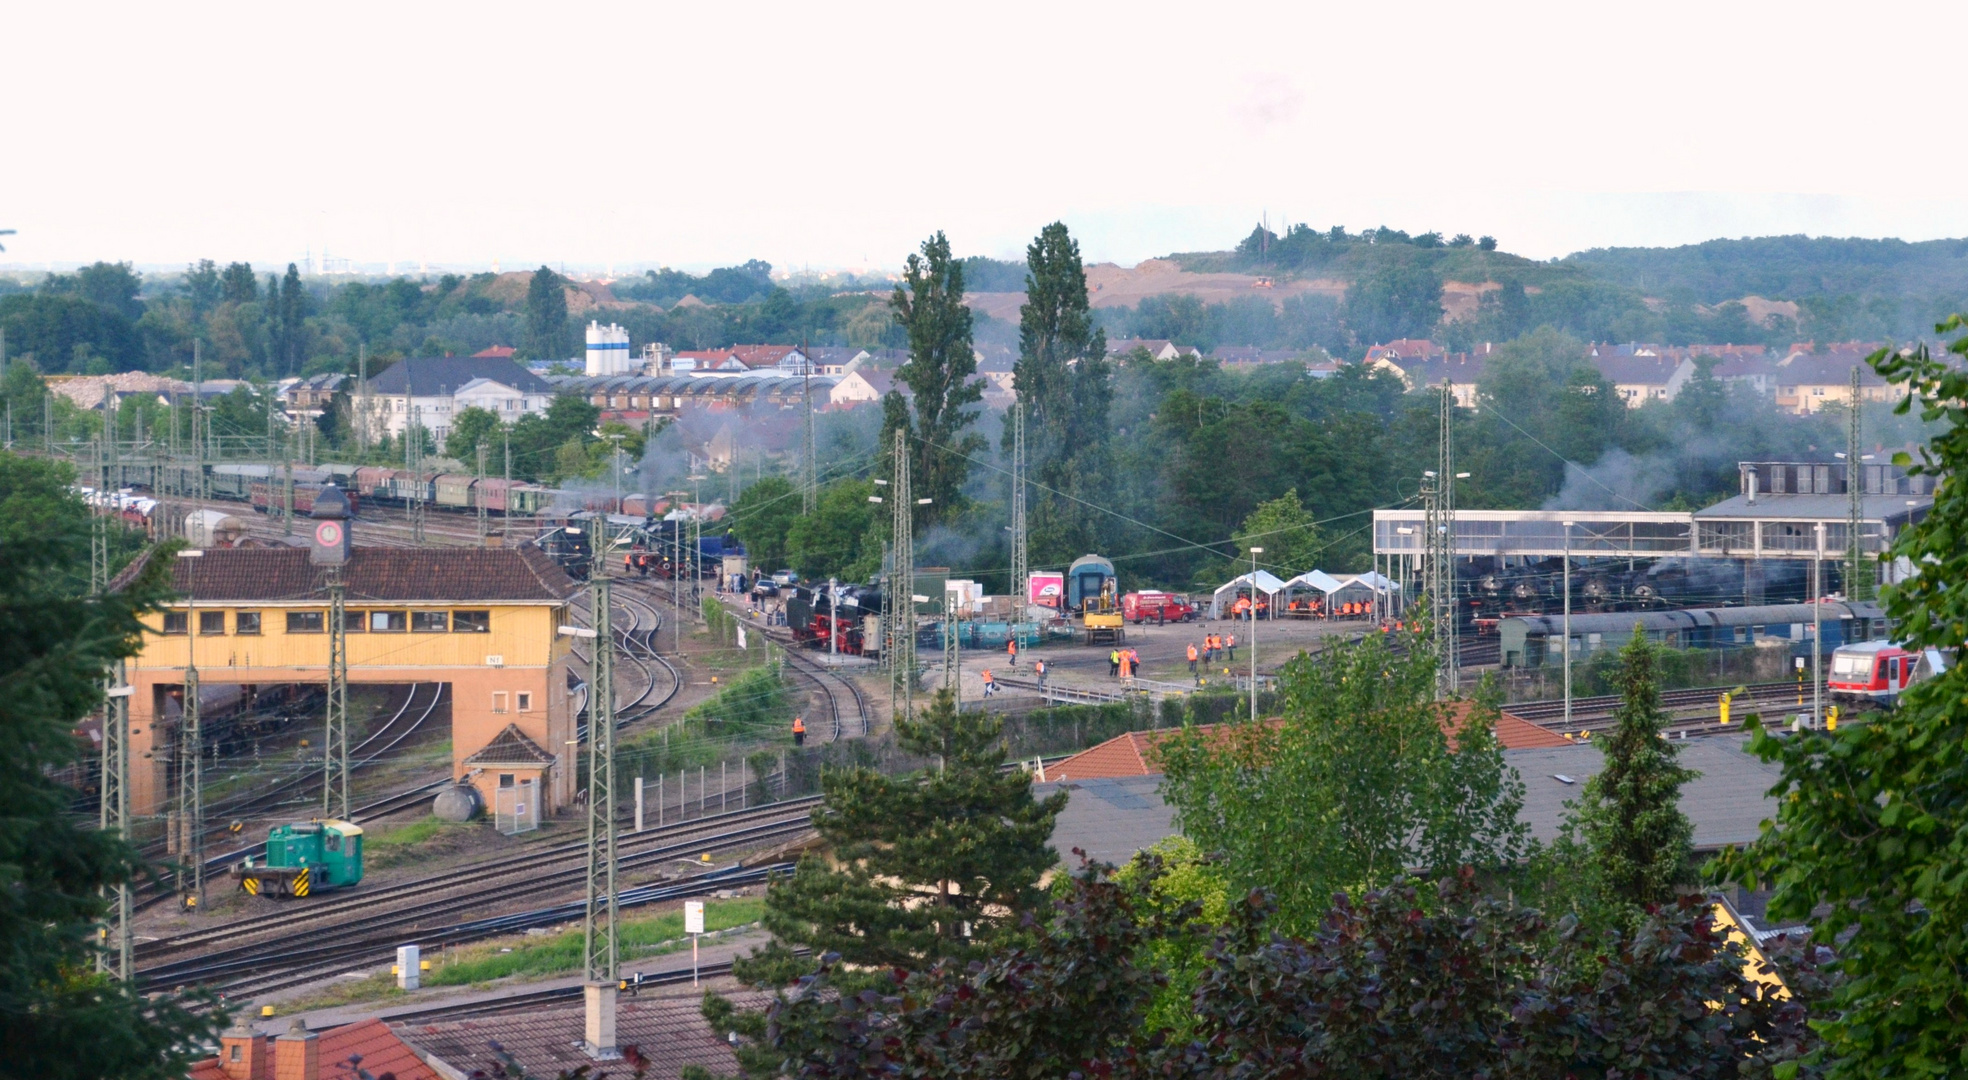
{"x": 1789, "y": 522}
{"x": 480, "y": 622}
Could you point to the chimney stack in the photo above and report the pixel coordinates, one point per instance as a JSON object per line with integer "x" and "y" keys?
{"x": 600, "y": 1030}
{"x": 297, "y": 1054}
{"x": 245, "y": 1054}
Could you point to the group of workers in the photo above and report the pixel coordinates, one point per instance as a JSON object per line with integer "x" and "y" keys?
{"x": 1214, "y": 646}
{"x": 1313, "y": 609}
{"x": 1123, "y": 663}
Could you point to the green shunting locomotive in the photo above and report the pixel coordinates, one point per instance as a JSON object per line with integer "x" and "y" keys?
{"x": 303, "y": 859}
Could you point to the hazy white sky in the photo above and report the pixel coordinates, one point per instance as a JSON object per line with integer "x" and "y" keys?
{"x": 841, "y": 134}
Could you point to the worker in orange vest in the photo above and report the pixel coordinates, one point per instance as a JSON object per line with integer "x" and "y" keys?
{"x": 799, "y": 731}
{"x": 1192, "y": 658}
{"x": 1127, "y": 666}
{"x": 990, "y": 683}
{"x": 1230, "y": 647}
{"x": 1011, "y": 652}
{"x": 1039, "y": 668}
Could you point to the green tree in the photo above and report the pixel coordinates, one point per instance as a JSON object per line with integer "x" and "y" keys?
{"x": 546, "y": 317}
{"x": 1357, "y": 784}
{"x": 58, "y": 1018}
{"x": 1399, "y": 298}
{"x": 762, "y": 520}
{"x": 290, "y": 323}
{"x": 471, "y": 427}
{"x": 939, "y": 865}
{"x": 113, "y": 286}
{"x": 1627, "y": 846}
{"x": 840, "y": 538}
{"x": 53, "y": 329}
{"x": 1061, "y": 378}
{"x": 1867, "y": 845}
{"x": 236, "y": 284}
{"x": 1284, "y": 528}
{"x": 929, "y": 305}
{"x": 201, "y": 285}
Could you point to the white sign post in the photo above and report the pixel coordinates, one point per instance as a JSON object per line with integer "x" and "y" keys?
{"x": 693, "y": 924}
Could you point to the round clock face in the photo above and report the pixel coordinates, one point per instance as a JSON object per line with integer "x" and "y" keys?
{"x": 327, "y": 534}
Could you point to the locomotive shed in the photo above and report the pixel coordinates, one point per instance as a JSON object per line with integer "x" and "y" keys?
{"x": 479, "y": 621}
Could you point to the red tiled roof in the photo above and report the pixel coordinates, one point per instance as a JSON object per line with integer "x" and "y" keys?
{"x": 668, "y": 1033}
{"x": 497, "y": 352}
{"x": 1133, "y": 753}
{"x": 379, "y": 1049}
{"x": 511, "y": 747}
{"x": 469, "y": 575}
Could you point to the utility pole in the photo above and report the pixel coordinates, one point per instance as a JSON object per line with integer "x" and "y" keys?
{"x": 952, "y": 655}
{"x": 902, "y": 587}
{"x": 1020, "y": 568}
{"x": 191, "y": 758}
{"x": 1438, "y": 499}
{"x": 1252, "y": 643}
{"x": 478, "y": 496}
{"x": 331, "y": 549}
{"x": 362, "y": 398}
{"x": 115, "y": 816}
{"x": 1568, "y": 624}
{"x": 601, "y": 957}
{"x": 809, "y": 474}
{"x": 413, "y": 448}
{"x": 1858, "y": 572}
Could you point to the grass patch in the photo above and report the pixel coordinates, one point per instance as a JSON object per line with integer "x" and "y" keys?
{"x": 390, "y": 845}
{"x": 559, "y": 954}
{"x": 751, "y": 710}
{"x": 345, "y": 992}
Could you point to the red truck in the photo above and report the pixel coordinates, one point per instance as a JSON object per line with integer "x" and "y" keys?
{"x": 1153, "y": 605}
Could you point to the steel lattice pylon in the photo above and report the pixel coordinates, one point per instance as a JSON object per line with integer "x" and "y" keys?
{"x": 115, "y": 817}
{"x": 1858, "y": 572}
{"x": 478, "y": 498}
{"x": 1438, "y": 499}
{"x": 1020, "y": 567}
{"x": 413, "y": 452}
{"x": 952, "y": 650}
{"x": 334, "y": 743}
{"x": 809, "y": 471}
{"x": 601, "y": 963}
{"x": 191, "y": 787}
{"x": 901, "y": 628}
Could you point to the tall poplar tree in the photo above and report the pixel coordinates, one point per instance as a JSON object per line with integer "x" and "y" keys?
{"x": 929, "y": 306}
{"x": 292, "y": 318}
{"x": 1061, "y": 378}
{"x": 546, "y": 316}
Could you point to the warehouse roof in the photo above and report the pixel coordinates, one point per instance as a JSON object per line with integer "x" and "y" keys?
{"x": 1768, "y": 506}
{"x": 659, "y": 1038}
{"x": 425, "y": 376}
{"x": 408, "y": 575}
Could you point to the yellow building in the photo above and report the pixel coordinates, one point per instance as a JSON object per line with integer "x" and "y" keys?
{"x": 482, "y": 621}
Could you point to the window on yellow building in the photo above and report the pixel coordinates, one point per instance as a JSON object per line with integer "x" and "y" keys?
{"x": 471, "y": 622}
{"x": 389, "y": 622}
{"x": 306, "y": 622}
{"x": 246, "y": 622}
{"x": 211, "y": 622}
{"x": 354, "y": 622}
{"x": 175, "y": 622}
{"x": 430, "y": 622}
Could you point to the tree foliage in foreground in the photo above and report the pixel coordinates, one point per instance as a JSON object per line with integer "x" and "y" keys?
{"x": 1870, "y": 842}
{"x": 1411, "y": 981}
{"x": 58, "y": 1017}
{"x": 1356, "y": 784}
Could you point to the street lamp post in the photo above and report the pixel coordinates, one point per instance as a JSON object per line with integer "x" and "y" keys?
{"x": 1255, "y": 552}
{"x": 1817, "y": 632}
{"x": 1568, "y": 624}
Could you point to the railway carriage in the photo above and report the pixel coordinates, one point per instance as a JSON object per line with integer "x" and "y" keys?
{"x": 454, "y": 490}
{"x": 305, "y": 858}
{"x": 1873, "y": 670}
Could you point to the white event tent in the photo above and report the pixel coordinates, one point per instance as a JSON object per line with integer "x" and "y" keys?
{"x": 1267, "y": 583}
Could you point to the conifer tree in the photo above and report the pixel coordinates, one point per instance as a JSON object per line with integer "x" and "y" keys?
{"x": 1629, "y": 818}
{"x": 1062, "y": 380}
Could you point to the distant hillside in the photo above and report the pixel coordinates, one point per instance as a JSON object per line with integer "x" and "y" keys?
{"x": 1786, "y": 268}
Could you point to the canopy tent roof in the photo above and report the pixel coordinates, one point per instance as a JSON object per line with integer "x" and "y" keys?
{"x": 1373, "y": 580}
{"x": 1266, "y": 582}
{"x": 1316, "y": 579}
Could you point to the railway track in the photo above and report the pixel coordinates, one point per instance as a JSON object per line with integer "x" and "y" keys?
{"x": 332, "y": 959}
{"x": 533, "y": 999}
{"x": 384, "y": 915}
{"x": 1596, "y": 713}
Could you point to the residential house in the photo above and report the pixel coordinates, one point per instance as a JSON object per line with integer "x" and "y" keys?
{"x": 1640, "y": 375}
{"x": 367, "y": 1048}
{"x": 693, "y": 360}
{"x": 1419, "y": 368}
{"x": 1156, "y": 348}
{"x": 314, "y": 394}
{"x": 1406, "y": 350}
{"x": 833, "y": 360}
{"x": 426, "y": 389}
{"x": 786, "y": 358}
{"x": 495, "y": 352}
{"x": 1250, "y": 356}
{"x": 852, "y": 389}
{"x": 1808, "y": 381}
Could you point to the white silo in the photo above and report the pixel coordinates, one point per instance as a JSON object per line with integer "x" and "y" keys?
{"x": 608, "y": 349}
